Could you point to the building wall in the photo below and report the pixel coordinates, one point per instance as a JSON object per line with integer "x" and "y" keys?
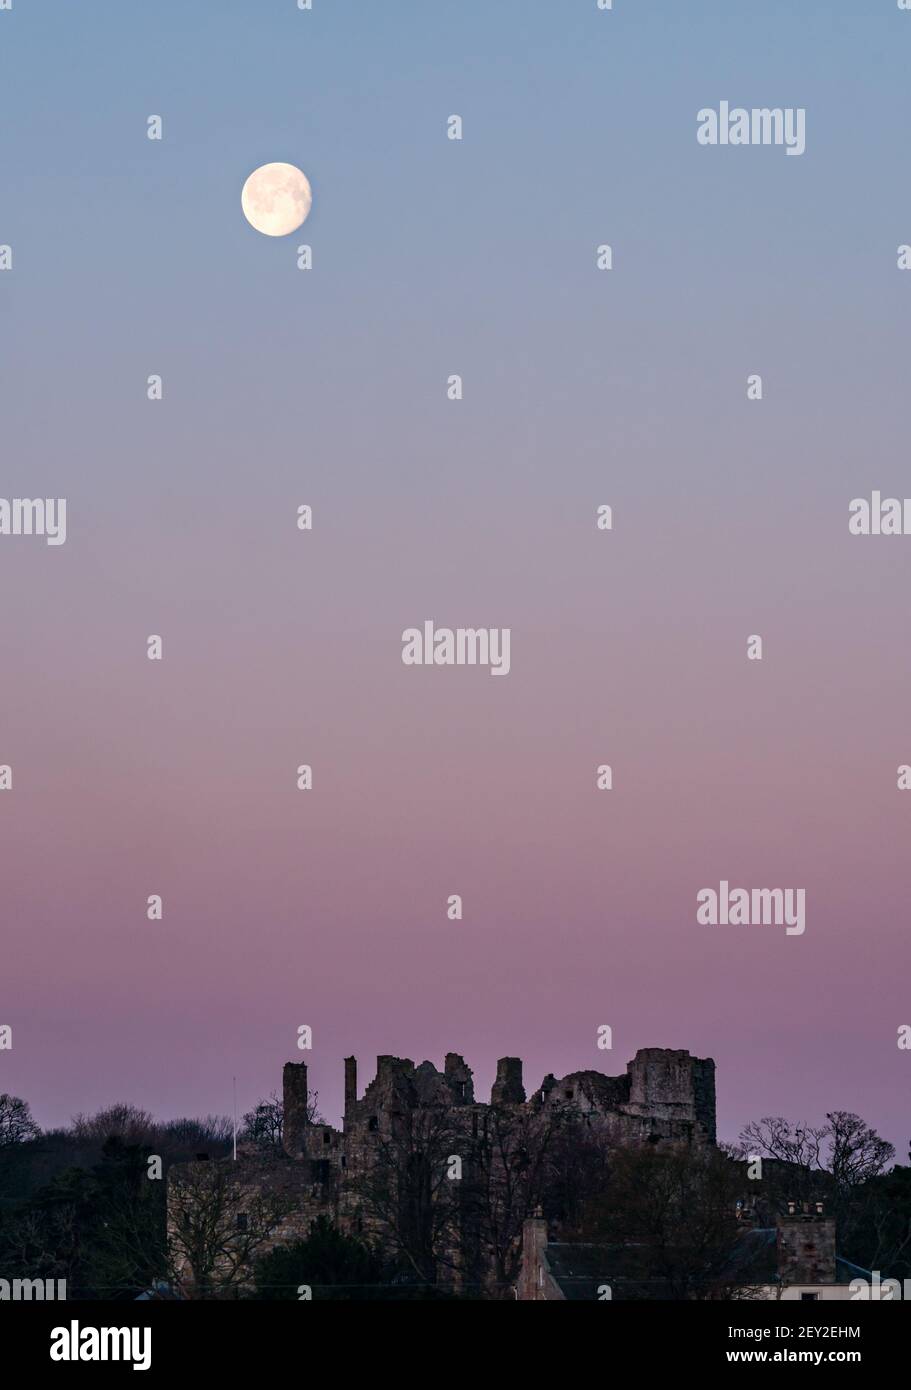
{"x": 806, "y": 1247}
{"x": 257, "y": 1181}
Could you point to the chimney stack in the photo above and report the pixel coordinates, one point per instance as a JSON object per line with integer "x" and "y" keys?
{"x": 806, "y": 1245}
{"x": 295, "y": 1096}
{"x": 350, "y": 1085}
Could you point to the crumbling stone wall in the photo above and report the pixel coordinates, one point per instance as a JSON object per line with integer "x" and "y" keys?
{"x": 665, "y": 1095}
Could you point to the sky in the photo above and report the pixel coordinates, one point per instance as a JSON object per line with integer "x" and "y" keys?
{"x": 327, "y": 387}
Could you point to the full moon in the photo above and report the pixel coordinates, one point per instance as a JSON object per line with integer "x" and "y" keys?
{"x": 276, "y": 199}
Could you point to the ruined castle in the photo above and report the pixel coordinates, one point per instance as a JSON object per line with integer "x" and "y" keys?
{"x": 417, "y": 1120}
{"x": 662, "y": 1095}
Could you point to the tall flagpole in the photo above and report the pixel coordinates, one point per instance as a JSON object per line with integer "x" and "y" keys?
{"x": 234, "y": 1080}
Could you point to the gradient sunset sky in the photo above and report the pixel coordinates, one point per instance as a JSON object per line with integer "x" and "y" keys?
{"x": 281, "y": 387}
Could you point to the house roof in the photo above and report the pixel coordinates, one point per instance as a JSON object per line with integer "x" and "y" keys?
{"x": 582, "y": 1270}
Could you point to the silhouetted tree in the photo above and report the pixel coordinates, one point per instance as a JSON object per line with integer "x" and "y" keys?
{"x": 406, "y": 1194}
{"x": 509, "y": 1171}
{"x": 16, "y": 1123}
{"x": 101, "y": 1229}
{"x": 329, "y": 1263}
{"x": 670, "y": 1212}
{"x": 835, "y": 1162}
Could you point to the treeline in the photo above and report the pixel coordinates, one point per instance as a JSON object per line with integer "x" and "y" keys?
{"x": 77, "y": 1203}
{"x": 87, "y": 1203}
{"x": 84, "y": 1203}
